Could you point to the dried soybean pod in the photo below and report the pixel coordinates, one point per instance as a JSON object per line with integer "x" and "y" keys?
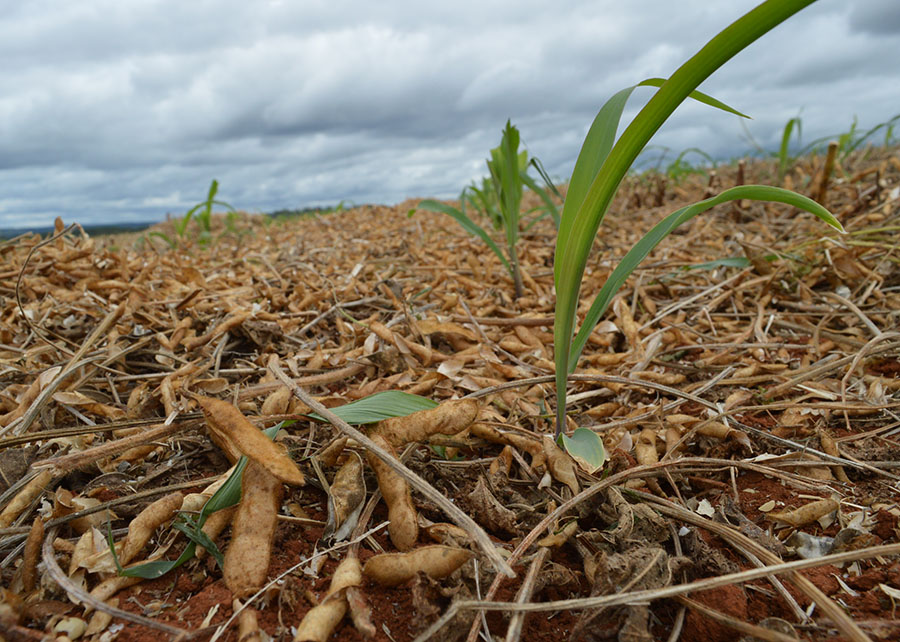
{"x": 229, "y": 424}
{"x": 560, "y": 464}
{"x": 145, "y": 524}
{"x": 829, "y": 446}
{"x": 345, "y": 498}
{"x": 109, "y": 587}
{"x": 24, "y": 497}
{"x": 645, "y": 447}
{"x": 277, "y": 402}
{"x": 527, "y": 444}
{"x": 248, "y": 624}
{"x": 32, "y": 554}
{"x": 393, "y": 569}
{"x": 449, "y": 418}
{"x": 319, "y": 622}
{"x": 247, "y": 557}
{"x": 403, "y": 527}
{"x": 806, "y": 514}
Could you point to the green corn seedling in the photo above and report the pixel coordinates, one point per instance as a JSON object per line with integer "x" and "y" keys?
{"x": 203, "y": 212}
{"x": 501, "y": 199}
{"x": 601, "y": 166}
{"x": 784, "y": 158}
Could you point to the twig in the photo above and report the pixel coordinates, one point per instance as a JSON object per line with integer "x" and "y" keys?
{"x": 514, "y": 631}
{"x": 758, "y": 632}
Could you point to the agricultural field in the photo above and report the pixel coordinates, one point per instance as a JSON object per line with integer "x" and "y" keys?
{"x": 640, "y": 405}
{"x": 743, "y": 382}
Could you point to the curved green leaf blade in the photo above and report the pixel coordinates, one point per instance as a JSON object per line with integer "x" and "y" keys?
{"x": 596, "y": 148}
{"x": 581, "y": 220}
{"x": 381, "y": 405}
{"x": 467, "y": 224}
{"x": 549, "y": 206}
{"x": 662, "y": 229}
{"x": 699, "y": 96}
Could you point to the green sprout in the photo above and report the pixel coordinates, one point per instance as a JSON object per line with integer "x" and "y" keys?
{"x": 602, "y": 165}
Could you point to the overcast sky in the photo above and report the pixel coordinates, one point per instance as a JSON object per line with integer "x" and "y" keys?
{"x": 123, "y": 111}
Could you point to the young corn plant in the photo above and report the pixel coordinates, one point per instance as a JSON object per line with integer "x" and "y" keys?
{"x": 784, "y": 158}
{"x": 203, "y": 212}
{"x": 502, "y": 201}
{"x": 601, "y": 166}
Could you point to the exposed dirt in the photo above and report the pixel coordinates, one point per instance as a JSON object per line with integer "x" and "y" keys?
{"x": 716, "y": 389}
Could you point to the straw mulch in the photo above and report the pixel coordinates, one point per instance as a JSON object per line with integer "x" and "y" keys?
{"x": 745, "y": 384}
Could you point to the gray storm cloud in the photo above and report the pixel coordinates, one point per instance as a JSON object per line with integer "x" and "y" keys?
{"x": 115, "y": 111}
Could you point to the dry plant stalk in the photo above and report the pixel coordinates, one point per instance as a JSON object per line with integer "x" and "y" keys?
{"x": 247, "y": 557}
{"x": 321, "y": 620}
{"x": 230, "y": 426}
{"x": 403, "y": 527}
{"x": 436, "y": 561}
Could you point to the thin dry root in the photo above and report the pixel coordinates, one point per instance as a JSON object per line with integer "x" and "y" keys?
{"x": 393, "y": 569}
{"x": 247, "y": 557}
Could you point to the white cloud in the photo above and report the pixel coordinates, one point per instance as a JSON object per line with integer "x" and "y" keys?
{"x": 123, "y": 111}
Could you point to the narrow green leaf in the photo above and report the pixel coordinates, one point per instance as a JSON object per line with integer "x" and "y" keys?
{"x": 468, "y": 225}
{"x": 549, "y": 206}
{"x": 699, "y": 96}
{"x": 662, "y": 229}
{"x": 582, "y": 218}
{"x": 596, "y": 148}
{"x": 731, "y": 261}
{"x": 228, "y": 494}
{"x": 381, "y": 405}
{"x": 192, "y": 531}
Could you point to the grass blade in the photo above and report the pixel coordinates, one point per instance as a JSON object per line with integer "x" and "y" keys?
{"x": 468, "y": 225}
{"x": 596, "y": 148}
{"x": 381, "y": 405}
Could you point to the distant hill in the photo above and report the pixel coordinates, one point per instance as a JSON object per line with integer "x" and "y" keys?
{"x": 93, "y": 230}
